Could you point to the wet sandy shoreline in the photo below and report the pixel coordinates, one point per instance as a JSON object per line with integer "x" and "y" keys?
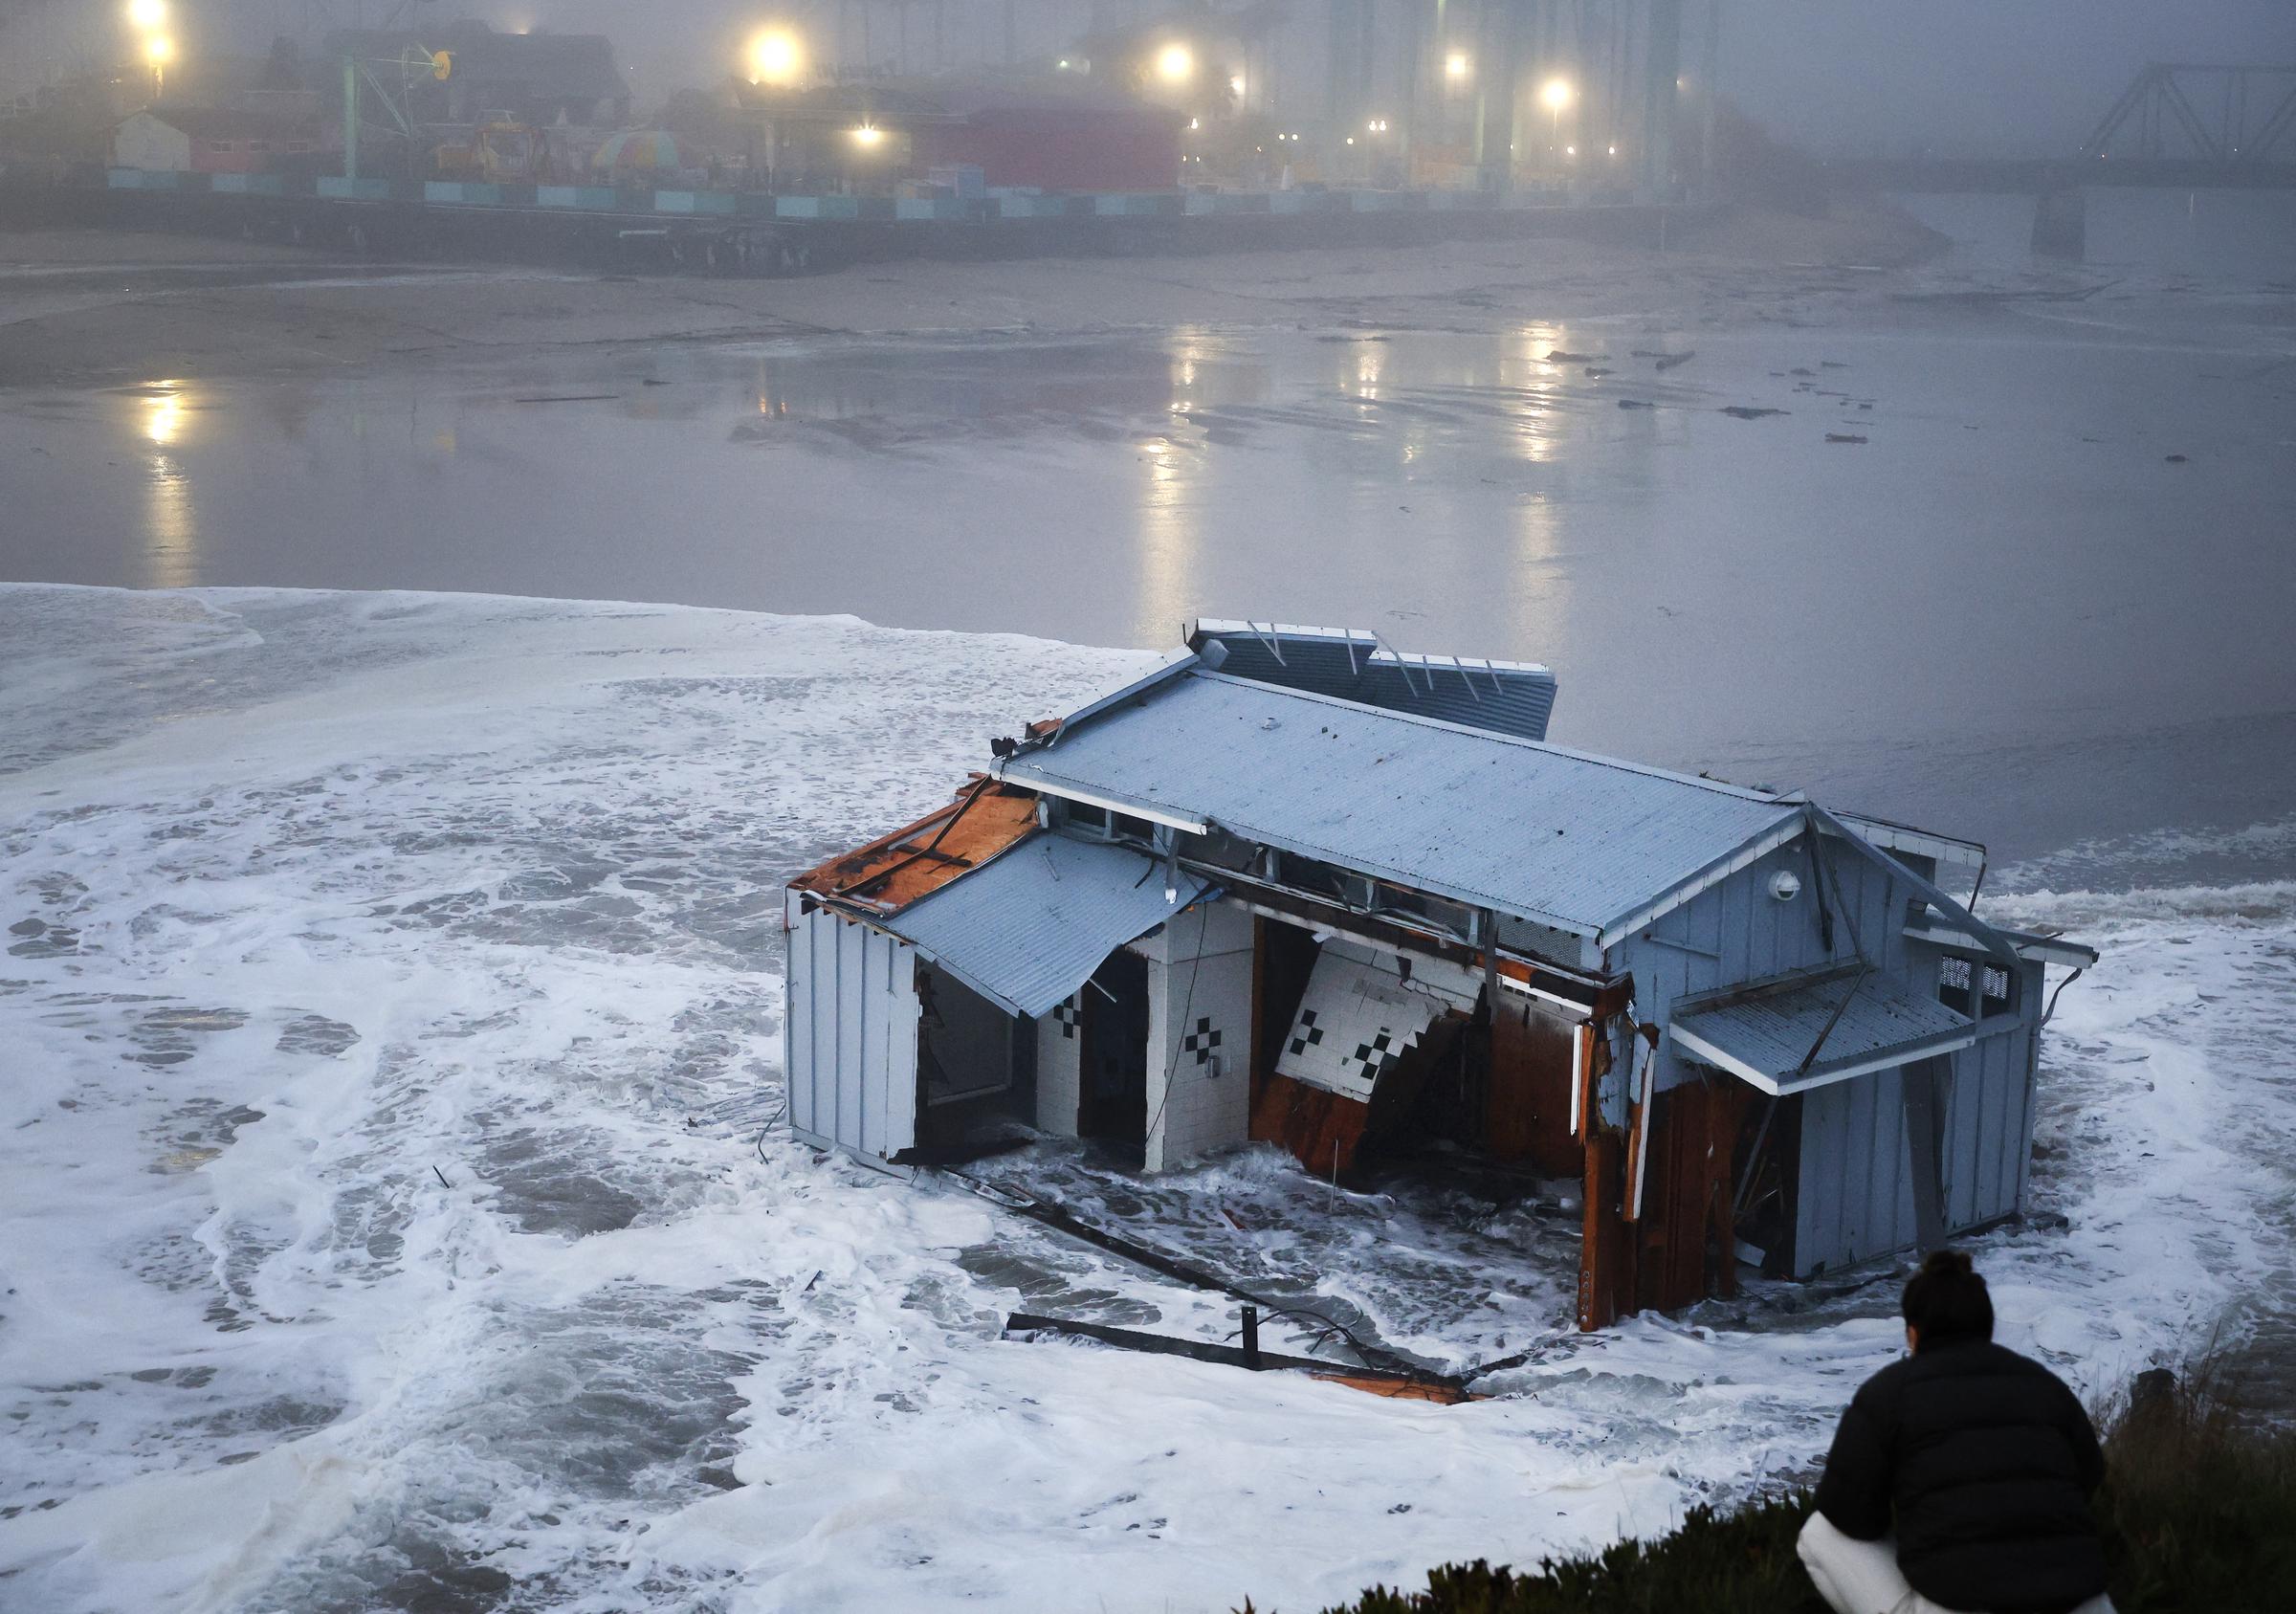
{"x": 93, "y": 308}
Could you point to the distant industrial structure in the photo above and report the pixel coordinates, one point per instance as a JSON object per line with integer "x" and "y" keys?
{"x": 874, "y": 128}
{"x": 1300, "y": 889}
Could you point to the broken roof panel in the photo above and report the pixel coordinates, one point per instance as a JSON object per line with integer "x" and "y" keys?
{"x": 1762, "y": 1033}
{"x": 919, "y": 858}
{"x": 1529, "y": 830}
{"x": 1513, "y": 698}
{"x": 1026, "y": 930}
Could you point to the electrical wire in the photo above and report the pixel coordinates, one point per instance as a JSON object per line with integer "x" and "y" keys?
{"x": 764, "y": 1130}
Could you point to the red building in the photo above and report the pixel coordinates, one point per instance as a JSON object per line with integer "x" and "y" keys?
{"x": 1046, "y": 136}
{"x": 207, "y": 141}
{"x": 1052, "y": 142}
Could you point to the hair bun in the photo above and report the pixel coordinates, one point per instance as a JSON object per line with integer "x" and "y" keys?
{"x": 1942, "y": 1263}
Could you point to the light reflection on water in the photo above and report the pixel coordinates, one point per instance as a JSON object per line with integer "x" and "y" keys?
{"x": 1721, "y": 592}
{"x": 171, "y": 526}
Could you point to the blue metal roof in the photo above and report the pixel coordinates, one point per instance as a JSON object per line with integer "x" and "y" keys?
{"x": 1352, "y": 664}
{"x": 1529, "y": 830}
{"x": 1027, "y": 929}
{"x": 1763, "y": 1032}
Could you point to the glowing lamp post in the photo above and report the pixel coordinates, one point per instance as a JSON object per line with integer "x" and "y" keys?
{"x": 776, "y": 58}
{"x": 159, "y": 50}
{"x": 1556, "y": 93}
{"x": 1456, "y": 66}
{"x": 1176, "y": 64}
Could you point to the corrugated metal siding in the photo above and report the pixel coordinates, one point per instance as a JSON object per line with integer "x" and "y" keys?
{"x": 850, "y": 1036}
{"x": 1499, "y": 823}
{"x": 1856, "y": 1197}
{"x": 1857, "y": 1186}
{"x": 1029, "y": 927}
{"x": 1511, "y": 700}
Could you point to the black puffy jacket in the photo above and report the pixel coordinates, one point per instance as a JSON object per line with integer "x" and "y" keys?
{"x": 1982, "y": 1464}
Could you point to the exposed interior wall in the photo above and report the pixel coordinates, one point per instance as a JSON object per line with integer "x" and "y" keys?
{"x": 1199, "y": 1037}
{"x": 1532, "y": 1044}
{"x": 1113, "y": 1036}
{"x": 1059, "y": 1069}
{"x": 964, "y": 1042}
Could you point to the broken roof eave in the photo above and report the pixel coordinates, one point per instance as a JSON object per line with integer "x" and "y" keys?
{"x": 2030, "y": 945}
{"x": 1825, "y": 1072}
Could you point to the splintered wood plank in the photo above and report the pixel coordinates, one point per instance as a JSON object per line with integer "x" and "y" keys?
{"x": 1319, "y": 1128}
{"x": 893, "y": 871}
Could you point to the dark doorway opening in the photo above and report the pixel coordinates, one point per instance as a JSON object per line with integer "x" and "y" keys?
{"x": 1114, "y": 1105}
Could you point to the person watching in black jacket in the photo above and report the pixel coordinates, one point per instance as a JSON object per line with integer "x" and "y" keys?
{"x": 1960, "y": 1477}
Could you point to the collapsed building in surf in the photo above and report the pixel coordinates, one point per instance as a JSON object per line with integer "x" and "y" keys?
{"x": 1296, "y": 887}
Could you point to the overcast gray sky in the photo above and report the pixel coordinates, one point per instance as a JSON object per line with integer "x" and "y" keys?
{"x": 2014, "y": 76}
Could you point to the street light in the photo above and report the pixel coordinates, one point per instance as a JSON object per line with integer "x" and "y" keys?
{"x": 868, "y": 137}
{"x": 159, "y": 50}
{"x": 1556, "y": 94}
{"x": 1175, "y": 64}
{"x": 1455, "y": 65}
{"x": 776, "y": 58}
{"x": 146, "y": 14}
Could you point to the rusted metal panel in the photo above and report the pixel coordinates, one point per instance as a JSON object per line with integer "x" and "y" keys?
{"x": 1685, "y": 1239}
{"x": 1529, "y": 1113}
{"x": 893, "y": 871}
{"x": 1322, "y": 1129}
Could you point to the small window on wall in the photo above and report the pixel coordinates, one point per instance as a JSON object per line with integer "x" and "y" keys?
{"x": 1957, "y": 976}
{"x": 1083, "y": 815}
{"x": 1999, "y": 986}
{"x": 1125, "y": 827}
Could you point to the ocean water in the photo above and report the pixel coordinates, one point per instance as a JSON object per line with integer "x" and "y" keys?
{"x": 389, "y": 1012}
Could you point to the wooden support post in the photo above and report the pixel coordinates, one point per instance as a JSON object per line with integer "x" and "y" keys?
{"x": 1603, "y": 1247}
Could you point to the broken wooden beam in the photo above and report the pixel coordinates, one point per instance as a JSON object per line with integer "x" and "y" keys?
{"x": 1410, "y": 1386}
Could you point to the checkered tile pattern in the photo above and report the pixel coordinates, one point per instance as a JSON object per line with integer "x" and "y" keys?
{"x": 1354, "y": 1022}
{"x": 1068, "y": 1015}
{"x": 1201, "y": 1042}
{"x": 1307, "y": 1033}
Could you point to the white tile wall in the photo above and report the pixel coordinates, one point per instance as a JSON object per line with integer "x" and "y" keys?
{"x": 1202, "y": 987}
{"x": 1059, "y": 1069}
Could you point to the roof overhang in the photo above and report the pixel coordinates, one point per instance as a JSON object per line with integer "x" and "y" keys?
{"x": 1761, "y": 1031}
{"x": 1027, "y": 929}
{"x": 1923, "y": 843}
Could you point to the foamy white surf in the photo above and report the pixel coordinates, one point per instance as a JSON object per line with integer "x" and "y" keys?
{"x": 389, "y": 1006}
